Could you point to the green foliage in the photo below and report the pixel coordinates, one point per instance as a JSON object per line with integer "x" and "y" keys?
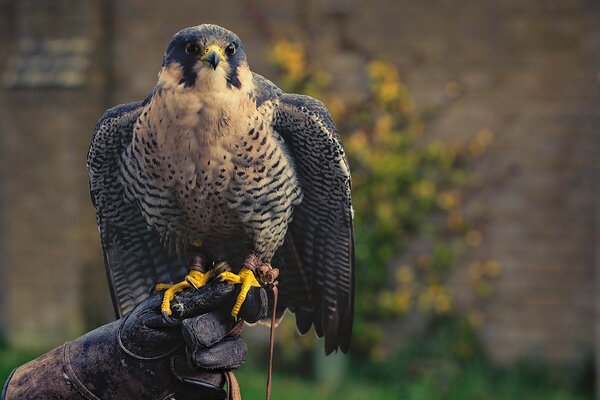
{"x": 404, "y": 187}
{"x": 447, "y": 364}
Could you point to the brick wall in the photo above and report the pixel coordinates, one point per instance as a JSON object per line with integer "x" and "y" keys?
{"x": 47, "y": 223}
{"x": 529, "y": 73}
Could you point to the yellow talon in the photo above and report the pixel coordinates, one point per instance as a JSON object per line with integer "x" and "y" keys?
{"x": 198, "y": 279}
{"x": 162, "y": 286}
{"x": 194, "y": 279}
{"x": 247, "y": 279}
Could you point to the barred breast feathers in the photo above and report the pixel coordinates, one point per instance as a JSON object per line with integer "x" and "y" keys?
{"x": 204, "y": 152}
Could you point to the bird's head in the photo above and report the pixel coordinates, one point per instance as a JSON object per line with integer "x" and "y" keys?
{"x": 205, "y": 57}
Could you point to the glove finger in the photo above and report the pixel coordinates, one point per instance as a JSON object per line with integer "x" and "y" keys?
{"x": 255, "y": 306}
{"x": 144, "y": 331}
{"x": 190, "y": 303}
{"x": 198, "y": 383}
{"x": 228, "y": 354}
{"x": 207, "y": 329}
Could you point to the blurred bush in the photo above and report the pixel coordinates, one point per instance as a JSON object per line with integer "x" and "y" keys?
{"x": 406, "y": 188}
{"x": 447, "y": 363}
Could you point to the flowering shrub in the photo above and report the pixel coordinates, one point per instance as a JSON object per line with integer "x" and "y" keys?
{"x": 404, "y": 187}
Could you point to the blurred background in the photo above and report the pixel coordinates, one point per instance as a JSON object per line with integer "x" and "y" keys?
{"x": 473, "y": 135}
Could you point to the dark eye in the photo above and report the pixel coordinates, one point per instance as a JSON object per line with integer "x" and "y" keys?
{"x": 230, "y": 50}
{"x": 191, "y": 48}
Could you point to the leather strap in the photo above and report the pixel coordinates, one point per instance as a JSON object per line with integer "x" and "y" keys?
{"x": 267, "y": 276}
{"x": 233, "y": 387}
{"x": 272, "y": 341}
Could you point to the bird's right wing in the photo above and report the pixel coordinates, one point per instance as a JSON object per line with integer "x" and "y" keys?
{"x": 134, "y": 256}
{"x": 321, "y": 234}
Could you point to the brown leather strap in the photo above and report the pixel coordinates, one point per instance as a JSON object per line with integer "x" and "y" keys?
{"x": 272, "y": 341}
{"x": 233, "y": 387}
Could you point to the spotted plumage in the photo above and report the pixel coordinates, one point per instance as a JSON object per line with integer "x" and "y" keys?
{"x": 219, "y": 155}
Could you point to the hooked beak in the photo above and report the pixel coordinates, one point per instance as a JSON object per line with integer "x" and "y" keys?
{"x": 213, "y": 55}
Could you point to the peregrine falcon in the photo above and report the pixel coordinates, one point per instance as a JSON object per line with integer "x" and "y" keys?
{"x": 219, "y": 158}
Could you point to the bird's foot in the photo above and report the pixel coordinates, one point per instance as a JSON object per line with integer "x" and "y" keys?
{"x": 267, "y": 275}
{"x": 247, "y": 279}
{"x": 195, "y": 279}
{"x": 254, "y": 273}
{"x": 264, "y": 272}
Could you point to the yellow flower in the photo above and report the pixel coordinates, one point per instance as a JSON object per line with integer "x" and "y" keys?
{"x": 448, "y": 200}
{"x": 453, "y": 89}
{"x": 478, "y": 145}
{"x": 357, "y": 142}
{"x": 473, "y": 238}
{"x": 476, "y": 318}
{"x": 378, "y": 353}
{"x": 443, "y": 304}
{"x": 405, "y": 275}
{"x": 493, "y": 268}
{"x": 415, "y": 127}
{"x": 475, "y": 271}
{"x": 402, "y": 300}
{"x": 455, "y": 220}
{"x": 336, "y": 106}
{"x": 435, "y": 298}
{"x": 424, "y": 189}
{"x": 290, "y": 57}
{"x": 382, "y": 128}
{"x": 386, "y": 300}
{"x": 424, "y": 262}
{"x": 485, "y": 136}
{"x": 384, "y": 211}
{"x": 483, "y": 288}
{"x": 407, "y": 105}
{"x": 388, "y": 91}
{"x": 381, "y": 70}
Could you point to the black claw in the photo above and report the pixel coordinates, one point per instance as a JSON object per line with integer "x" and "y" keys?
{"x": 192, "y": 283}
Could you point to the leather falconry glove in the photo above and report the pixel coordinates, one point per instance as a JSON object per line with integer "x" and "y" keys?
{"x": 144, "y": 356}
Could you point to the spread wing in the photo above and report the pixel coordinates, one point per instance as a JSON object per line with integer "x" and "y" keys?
{"x": 134, "y": 256}
{"x": 318, "y": 280}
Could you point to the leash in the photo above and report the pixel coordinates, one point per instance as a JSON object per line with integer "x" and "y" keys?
{"x": 267, "y": 275}
{"x": 272, "y": 341}
{"x": 233, "y": 387}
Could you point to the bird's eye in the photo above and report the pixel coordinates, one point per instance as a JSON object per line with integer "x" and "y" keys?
{"x": 191, "y": 48}
{"x": 230, "y": 50}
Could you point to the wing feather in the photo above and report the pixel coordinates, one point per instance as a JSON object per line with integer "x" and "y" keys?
{"x": 134, "y": 257}
{"x": 322, "y": 226}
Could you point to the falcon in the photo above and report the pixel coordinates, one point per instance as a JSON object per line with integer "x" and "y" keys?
{"x": 220, "y": 160}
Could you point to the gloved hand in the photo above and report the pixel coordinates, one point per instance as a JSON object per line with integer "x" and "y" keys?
{"x": 203, "y": 318}
{"x": 147, "y": 335}
{"x": 144, "y": 356}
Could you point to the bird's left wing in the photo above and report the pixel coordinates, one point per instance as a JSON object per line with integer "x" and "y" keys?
{"x": 135, "y": 259}
{"x": 320, "y": 239}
